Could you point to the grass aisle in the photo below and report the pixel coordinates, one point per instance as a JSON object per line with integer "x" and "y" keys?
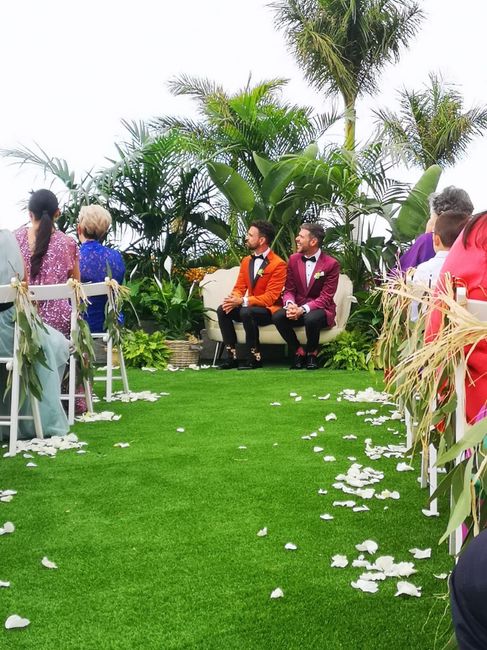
{"x": 156, "y": 543}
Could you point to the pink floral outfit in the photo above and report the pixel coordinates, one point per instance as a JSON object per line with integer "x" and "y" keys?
{"x": 57, "y": 266}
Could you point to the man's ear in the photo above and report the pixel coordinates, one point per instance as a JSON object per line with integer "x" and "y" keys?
{"x": 436, "y": 241}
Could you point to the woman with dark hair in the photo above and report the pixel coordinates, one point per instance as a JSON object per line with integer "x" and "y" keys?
{"x": 466, "y": 263}
{"x": 51, "y": 257}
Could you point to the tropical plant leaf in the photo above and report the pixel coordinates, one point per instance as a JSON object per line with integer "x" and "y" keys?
{"x": 233, "y": 186}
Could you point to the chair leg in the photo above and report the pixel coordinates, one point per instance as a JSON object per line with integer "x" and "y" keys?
{"x": 433, "y": 479}
{"x": 109, "y": 389}
{"x": 37, "y": 418}
{"x": 72, "y": 388}
{"x": 88, "y": 398}
{"x": 14, "y": 411}
{"x": 217, "y": 352}
{"x": 123, "y": 370}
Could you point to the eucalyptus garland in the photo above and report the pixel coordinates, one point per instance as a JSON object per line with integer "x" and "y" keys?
{"x": 116, "y": 297}
{"x": 81, "y": 336}
{"x": 29, "y": 351}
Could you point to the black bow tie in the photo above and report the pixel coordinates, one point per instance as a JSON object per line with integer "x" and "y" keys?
{"x": 258, "y": 257}
{"x": 308, "y": 259}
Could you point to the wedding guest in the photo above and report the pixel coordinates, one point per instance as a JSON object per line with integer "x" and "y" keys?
{"x": 51, "y": 257}
{"x": 450, "y": 199}
{"x": 466, "y": 263}
{"x": 311, "y": 283}
{"x": 54, "y": 345}
{"x": 254, "y": 298}
{"x": 96, "y": 260}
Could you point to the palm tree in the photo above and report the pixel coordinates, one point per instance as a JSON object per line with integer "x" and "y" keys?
{"x": 432, "y": 126}
{"x": 342, "y": 45}
{"x": 235, "y": 126}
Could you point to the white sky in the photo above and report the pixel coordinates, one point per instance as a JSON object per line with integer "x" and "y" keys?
{"x": 71, "y": 71}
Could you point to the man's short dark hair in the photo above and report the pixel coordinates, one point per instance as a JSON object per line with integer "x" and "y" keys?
{"x": 449, "y": 225}
{"x": 266, "y": 229}
{"x": 451, "y": 199}
{"x": 315, "y": 230}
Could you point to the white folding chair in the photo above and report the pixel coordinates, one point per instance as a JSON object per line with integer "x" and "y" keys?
{"x": 103, "y": 289}
{"x": 46, "y": 292}
{"x": 477, "y": 308}
{"x": 8, "y": 295}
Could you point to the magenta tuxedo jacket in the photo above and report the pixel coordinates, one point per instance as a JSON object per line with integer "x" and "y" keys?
{"x": 322, "y": 287}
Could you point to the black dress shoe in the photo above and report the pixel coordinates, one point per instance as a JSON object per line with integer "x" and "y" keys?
{"x": 228, "y": 364}
{"x": 299, "y": 362}
{"x": 250, "y": 364}
{"x": 312, "y": 362}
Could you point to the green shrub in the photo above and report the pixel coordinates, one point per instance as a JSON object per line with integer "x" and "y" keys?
{"x": 349, "y": 351}
{"x": 141, "y": 349}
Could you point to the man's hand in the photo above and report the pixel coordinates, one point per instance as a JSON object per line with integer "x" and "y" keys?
{"x": 293, "y": 312}
{"x": 231, "y": 302}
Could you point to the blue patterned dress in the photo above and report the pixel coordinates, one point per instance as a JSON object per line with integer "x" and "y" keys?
{"x": 95, "y": 259}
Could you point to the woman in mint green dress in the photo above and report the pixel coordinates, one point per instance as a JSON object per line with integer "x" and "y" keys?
{"x": 54, "y": 344}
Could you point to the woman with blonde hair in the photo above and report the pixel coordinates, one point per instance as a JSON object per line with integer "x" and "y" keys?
{"x": 96, "y": 260}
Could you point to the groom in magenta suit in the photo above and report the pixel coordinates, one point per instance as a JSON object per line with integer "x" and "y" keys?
{"x": 311, "y": 283}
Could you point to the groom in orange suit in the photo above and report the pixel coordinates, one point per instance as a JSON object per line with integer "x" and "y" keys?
{"x": 311, "y": 283}
{"x": 254, "y": 298}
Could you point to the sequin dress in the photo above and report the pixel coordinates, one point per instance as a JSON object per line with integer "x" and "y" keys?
{"x": 93, "y": 265}
{"x": 55, "y": 346}
{"x": 57, "y": 266}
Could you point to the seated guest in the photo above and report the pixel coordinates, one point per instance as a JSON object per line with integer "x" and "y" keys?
{"x": 447, "y": 228}
{"x": 255, "y": 296}
{"x": 311, "y": 283}
{"x": 450, "y": 199}
{"x": 54, "y": 345}
{"x": 466, "y": 264}
{"x": 51, "y": 257}
{"x": 97, "y": 261}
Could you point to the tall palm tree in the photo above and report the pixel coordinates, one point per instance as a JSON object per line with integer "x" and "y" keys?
{"x": 253, "y": 120}
{"x": 432, "y": 126}
{"x": 342, "y": 45}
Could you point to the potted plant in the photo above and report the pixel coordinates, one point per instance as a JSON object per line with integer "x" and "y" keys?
{"x": 178, "y": 312}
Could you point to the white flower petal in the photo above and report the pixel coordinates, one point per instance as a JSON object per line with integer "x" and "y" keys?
{"x": 361, "y": 508}
{"x": 318, "y": 450}
{"x": 344, "y": 504}
{"x": 429, "y": 513}
{"x": 291, "y": 547}
{"x": 31, "y": 465}
{"x": 349, "y": 437}
{"x": 373, "y": 575}
{"x": 384, "y": 563}
{"x": 321, "y": 491}
{"x": 180, "y": 429}
{"x": 298, "y": 399}
{"x": 368, "y": 586}
{"x": 407, "y": 589}
{"x": 16, "y": 621}
{"x": 277, "y": 593}
{"x": 327, "y": 396}
{"x": 242, "y": 447}
{"x": 330, "y": 416}
{"x": 4, "y": 585}
{"x": 275, "y": 403}
{"x": 329, "y": 459}
{"x": 420, "y": 554}
{"x": 404, "y": 467}
{"x": 262, "y": 532}
{"x": 441, "y": 576}
{"x": 48, "y": 564}
{"x": 122, "y": 445}
{"x": 326, "y": 517}
{"x": 293, "y": 394}
{"x": 368, "y": 546}
{"x": 7, "y": 528}
{"x": 339, "y": 561}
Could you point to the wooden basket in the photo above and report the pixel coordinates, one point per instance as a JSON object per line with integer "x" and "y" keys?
{"x": 184, "y": 353}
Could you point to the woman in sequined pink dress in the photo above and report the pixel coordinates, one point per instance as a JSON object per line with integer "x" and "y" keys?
{"x": 51, "y": 257}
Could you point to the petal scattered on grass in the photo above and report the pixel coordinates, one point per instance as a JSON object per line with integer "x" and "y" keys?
{"x": 277, "y": 593}
{"x": 329, "y": 459}
{"x": 15, "y": 621}
{"x": 318, "y": 450}
{"x": 291, "y": 547}
{"x": 361, "y": 508}
{"x": 321, "y": 491}
{"x": 368, "y": 586}
{"x": 373, "y": 576}
{"x": 420, "y": 554}
{"x": 326, "y": 517}
{"x": 404, "y": 467}
{"x": 441, "y": 576}
{"x": 298, "y": 398}
{"x": 407, "y": 589}
{"x": 31, "y": 464}
{"x": 330, "y": 416}
{"x": 368, "y": 546}
{"x": 430, "y": 513}
{"x": 262, "y": 532}
{"x": 180, "y": 429}
{"x": 7, "y": 528}
{"x": 323, "y": 397}
{"x": 242, "y": 447}
{"x": 48, "y": 564}
{"x": 275, "y": 403}
{"x": 122, "y": 445}
{"x": 349, "y": 437}
{"x": 4, "y": 585}
{"x": 339, "y": 561}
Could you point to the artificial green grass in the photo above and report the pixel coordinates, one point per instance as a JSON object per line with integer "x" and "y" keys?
{"x": 156, "y": 544}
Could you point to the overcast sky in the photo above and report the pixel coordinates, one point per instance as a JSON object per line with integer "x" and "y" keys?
{"x": 72, "y": 70}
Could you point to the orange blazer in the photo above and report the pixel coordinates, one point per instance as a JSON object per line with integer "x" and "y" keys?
{"x": 266, "y": 289}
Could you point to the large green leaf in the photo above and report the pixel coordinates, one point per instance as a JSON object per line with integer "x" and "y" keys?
{"x": 462, "y": 504}
{"x": 474, "y": 436}
{"x": 414, "y": 213}
{"x": 233, "y": 186}
{"x": 264, "y": 165}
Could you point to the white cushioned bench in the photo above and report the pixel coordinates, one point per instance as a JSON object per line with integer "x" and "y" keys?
{"x": 215, "y": 286}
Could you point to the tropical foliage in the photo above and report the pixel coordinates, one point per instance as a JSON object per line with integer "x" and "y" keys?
{"x": 432, "y": 127}
{"x": 342, "y": 45}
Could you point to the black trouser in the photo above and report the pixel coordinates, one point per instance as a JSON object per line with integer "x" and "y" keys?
{"x": 250, "y": 317}
{"x": 314, "y": 321}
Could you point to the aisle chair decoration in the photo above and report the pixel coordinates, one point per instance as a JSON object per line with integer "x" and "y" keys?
{"x": 27, "y": 351}
{"x": 431, "y": 370}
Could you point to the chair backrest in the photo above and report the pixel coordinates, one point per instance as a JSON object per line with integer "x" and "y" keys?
{"x": 7, "y": 293}
{"x": 96, "y": 289}
{"x": 51, "y": 292}
{"x": 477, "y": 308}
